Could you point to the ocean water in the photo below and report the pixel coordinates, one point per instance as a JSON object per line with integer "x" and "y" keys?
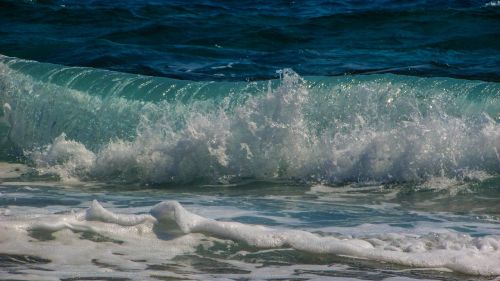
{"x": 249, "y": 40}
{"x": 319, "y": 140}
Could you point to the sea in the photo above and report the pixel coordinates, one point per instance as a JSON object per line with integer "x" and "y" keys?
{"x": 249, "y": 140}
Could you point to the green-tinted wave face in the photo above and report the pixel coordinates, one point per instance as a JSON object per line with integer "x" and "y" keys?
{"x": 93, "y": 124}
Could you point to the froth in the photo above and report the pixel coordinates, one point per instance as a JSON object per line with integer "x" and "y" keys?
{"x": 131, "y": 242}
{"x": 93, "y": 242}
{"x": 457, "y": 252}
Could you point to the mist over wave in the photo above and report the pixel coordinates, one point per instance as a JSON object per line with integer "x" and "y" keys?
{"x": 85, "y": 124}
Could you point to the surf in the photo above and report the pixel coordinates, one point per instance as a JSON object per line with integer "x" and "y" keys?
{"x": 89, "y": 124}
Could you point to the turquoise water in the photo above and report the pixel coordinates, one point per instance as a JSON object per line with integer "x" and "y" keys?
{"x": 258, "y": 141}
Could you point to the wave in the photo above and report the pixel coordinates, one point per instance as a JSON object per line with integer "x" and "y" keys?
{"x": 186, "y": 231}
{"x": 87, "y": 124}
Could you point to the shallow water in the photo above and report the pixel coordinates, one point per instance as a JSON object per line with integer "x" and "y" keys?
{"x": 453, "y": 231}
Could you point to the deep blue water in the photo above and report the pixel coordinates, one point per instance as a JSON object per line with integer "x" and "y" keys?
{"x": 249, "y": 40}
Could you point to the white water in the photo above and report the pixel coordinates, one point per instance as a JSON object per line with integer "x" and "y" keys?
{"x": 128, "y": 242}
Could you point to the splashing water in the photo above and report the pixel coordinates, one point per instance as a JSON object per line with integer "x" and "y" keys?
{"x": 375, "y": 128}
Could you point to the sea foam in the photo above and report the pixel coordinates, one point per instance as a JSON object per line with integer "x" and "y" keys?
{"x": 457, "y": 252}
{"x": 96, "y": 233}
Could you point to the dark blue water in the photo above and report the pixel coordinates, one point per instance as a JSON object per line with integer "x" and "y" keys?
{"x": 249, "y": 40}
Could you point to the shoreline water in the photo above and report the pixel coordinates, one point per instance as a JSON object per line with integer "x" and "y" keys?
{"x": 245, "y": 232}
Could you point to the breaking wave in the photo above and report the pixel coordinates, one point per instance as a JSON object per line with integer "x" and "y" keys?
{"x": 87, "y": 124}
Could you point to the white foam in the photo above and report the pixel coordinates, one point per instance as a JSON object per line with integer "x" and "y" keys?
{"x": 70, "y": 160}
{"x": 456, "y": 252}
{"x": 96, "y": 212}
{"x": 492, "y": 4}
{"x": 94, "y": 242}
{"x": 129, "y": 242}
{"x": 9, "y": 170}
